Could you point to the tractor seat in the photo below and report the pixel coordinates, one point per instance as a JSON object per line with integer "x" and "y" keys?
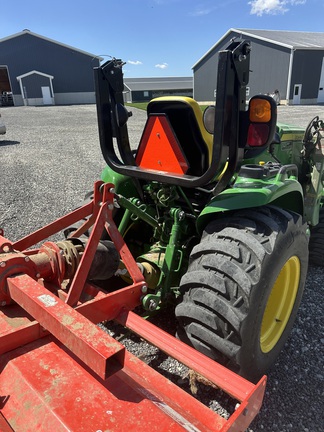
{"x": 186, "y": 120}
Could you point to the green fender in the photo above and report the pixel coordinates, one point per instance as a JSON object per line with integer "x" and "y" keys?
{"x": 286, "y": 194}
{"x": 124, "y": 185}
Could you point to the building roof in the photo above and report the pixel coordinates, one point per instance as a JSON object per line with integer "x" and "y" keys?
{"x": 34, "y": 72}
{"x": 289, "y": 39}
{"x": 26, "y": 31}
{"x": 159, "y": 83}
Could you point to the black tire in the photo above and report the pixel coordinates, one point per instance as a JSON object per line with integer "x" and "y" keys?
{"x": 226, "y": 311}
{"x": 316, "y": 242}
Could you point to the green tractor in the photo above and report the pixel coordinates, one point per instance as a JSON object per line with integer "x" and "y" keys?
{"x": 217, "y": 208}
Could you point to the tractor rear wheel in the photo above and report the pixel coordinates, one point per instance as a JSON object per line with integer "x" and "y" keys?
{"x": 243, "y": 287}
{"x": 316, "y": 242}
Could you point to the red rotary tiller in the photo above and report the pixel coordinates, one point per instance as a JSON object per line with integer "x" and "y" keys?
{"x": 60, "y": 371}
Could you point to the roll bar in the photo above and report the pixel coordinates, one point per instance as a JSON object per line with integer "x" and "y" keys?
{"x": 232, "y": 78}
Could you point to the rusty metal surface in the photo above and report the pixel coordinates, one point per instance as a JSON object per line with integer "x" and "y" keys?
{"x": 250, "y": 396}
{"x": 49, "y": 390}
{"x": 238, "y": 387}
{"x": 4, "y": 426}
{"x": 138, "y": 386}
{"x": 95, "y": 348}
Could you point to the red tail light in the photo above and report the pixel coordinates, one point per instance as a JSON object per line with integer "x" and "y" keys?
{"x": 258, "y": 134}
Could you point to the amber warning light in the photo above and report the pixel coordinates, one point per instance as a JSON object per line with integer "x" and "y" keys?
{"x": 159, "y": 148}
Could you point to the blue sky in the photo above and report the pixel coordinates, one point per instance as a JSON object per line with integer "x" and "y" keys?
{"x": 154, "y": 37}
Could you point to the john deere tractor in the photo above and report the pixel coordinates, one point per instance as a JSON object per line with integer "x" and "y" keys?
{"x": 217, "y": 208}
{"x": 212, "y": 214}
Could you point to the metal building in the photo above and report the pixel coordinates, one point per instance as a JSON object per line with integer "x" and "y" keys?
{"x": 145, "y": 89}
{"x": 289, "y": 61}
{"x": 35, "y": 70}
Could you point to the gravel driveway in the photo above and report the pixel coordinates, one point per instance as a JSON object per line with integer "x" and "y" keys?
{"x": 50, "y": 157}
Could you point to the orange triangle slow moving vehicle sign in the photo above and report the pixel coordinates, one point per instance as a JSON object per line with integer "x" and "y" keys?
{"x": 159, "y": 149}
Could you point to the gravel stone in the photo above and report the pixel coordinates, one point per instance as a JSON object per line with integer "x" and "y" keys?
{"x": 50, "y": 157}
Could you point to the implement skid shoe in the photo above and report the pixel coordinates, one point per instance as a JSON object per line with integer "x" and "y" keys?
{"x": 59, "y": 371}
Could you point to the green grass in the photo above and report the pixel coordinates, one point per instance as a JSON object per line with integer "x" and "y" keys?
{"x": 140, "y": 105}
{"x": 203, "y": 107}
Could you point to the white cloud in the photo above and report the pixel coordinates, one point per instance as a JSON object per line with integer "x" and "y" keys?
{"x": 162, "y": 65}
{"x": 165, "y": 2}
{"x": 207, "y": 7}
{"x": 134, "y": 62}
{"x": 200, "y": 11}
{"x": 272, "y": 7}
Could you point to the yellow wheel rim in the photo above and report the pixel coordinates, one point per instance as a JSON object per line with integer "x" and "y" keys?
{"x": 280, "y": 304}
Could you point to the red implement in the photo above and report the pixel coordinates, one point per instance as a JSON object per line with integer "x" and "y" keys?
{"x": 59, "y": 371}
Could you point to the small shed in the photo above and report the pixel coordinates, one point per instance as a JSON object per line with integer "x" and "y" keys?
{"x": 36, "y": 88}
